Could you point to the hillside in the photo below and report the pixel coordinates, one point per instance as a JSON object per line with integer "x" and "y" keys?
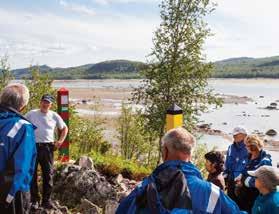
{"x": 243, "y": 67}
{"x": 118, "y": 69}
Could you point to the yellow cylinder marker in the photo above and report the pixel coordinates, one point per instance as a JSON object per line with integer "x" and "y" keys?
{"x": 174, "y": 117}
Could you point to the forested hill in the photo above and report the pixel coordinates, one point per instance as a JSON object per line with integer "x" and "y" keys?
{"x": 243, "y": 67}
{"x": 119, "y": 69}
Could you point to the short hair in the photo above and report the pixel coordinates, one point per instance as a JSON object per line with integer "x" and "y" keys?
{"x": 254, "y": 140}
{"x": 15, "y": 95}
{"x": 179, "y": 139}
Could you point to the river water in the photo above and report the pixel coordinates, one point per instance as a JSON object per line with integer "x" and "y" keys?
{"x": 252, "y": 115}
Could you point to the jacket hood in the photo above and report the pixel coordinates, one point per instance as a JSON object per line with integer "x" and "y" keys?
{"x": 186, "y": 167}
{"x": 6, "y": 114}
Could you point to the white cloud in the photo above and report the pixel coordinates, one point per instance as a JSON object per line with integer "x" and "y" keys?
{"x": 106, "y": 2}
{"x": 77, "y": 8}
{"x": 59, "y": 41}
{"x": 243, "y": 28}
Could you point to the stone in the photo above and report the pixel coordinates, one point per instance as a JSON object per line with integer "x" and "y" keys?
{"x": 87, "y": 207}
{"x": 73, "y": 182}
{"x": 111, "y": 207}
{"x": 85, "y": 162}
{"x": 271, "y": 132}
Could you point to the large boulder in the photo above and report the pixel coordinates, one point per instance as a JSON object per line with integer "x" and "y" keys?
{"x": 73, "y": 183}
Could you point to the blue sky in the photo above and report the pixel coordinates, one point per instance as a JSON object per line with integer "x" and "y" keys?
{"x": 64, "y": 33}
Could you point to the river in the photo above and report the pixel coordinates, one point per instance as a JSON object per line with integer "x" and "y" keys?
{"x": 252, "y": 115}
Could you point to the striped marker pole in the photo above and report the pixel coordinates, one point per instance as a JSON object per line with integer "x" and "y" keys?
{"x": 174, "y": 117}
{"x": 63, "y": 111}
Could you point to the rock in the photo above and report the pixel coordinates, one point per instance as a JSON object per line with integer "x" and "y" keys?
{"x": 57, "y": 210}
{"x": 73, "y": 182}
{"x": 204, "y": 126}
{"x": 273, "y": 104}
{"x": 271, "y": 132}
{"x": 225, "y": 123}
{"x": 87, "y": 207}
{"x": 111, "y": 207}
{"x": 119, "y": 179}
{"x": 261, "y": 96}
{"x": 271, "y": 107}
{"x": 85, "y": 162}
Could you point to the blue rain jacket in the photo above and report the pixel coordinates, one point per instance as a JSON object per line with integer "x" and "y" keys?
{"x": 267, "y": 204}
{"x": 16, "y": 133}
{"x": 263, "y": 159}
{"x": 205, "y": 197}
{"x": 236, "y": 160}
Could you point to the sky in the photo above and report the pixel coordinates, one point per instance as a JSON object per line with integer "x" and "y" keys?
{"x": 64, "y": 33}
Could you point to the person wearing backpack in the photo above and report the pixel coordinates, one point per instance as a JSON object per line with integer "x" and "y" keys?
{"x": 17, "y": 151}
{"x": 176, "y": 186}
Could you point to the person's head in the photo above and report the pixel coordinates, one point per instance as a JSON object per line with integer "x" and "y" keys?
{"x": 253, "y": 144}
{"x": 178, "y": 144}
{"x": 46, "y": 103}
{"x": 214, "y": 162}
{"x": 239, "y": 134}
{"x": 267, "y": 179}
{"x": 15, "y": 95}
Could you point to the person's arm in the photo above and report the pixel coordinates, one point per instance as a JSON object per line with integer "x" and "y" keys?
{"x": 24, "y": 158}
{"x": 62, "y": 137}
{"x": 249, "y": 181}
{"x": 227, "y": 163}
{"x": 63, "y": 130}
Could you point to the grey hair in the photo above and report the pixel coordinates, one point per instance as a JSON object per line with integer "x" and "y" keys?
{"x": 15, "y": 95}
{"x": 179, "y": 139}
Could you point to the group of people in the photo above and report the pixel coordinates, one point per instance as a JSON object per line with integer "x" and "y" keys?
{"x": 244, "y": 182}
{"x": 26, "y": 142}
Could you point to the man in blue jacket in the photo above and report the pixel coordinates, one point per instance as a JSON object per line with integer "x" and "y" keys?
{"x": 17, "y": 143}
{"x": 176, "y": 186}
{"x": 236, "y": 159}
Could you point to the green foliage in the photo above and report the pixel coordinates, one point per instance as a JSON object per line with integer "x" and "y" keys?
{"x": 38, "y": 84}
{"x": 135, "y": 142}
{"x": 112, "y": 165}
{"x": 5, "y": 73}
{"x": 198, "y": 158}
{"x": 86, "y": 135}
{"x": 177, "y": 72}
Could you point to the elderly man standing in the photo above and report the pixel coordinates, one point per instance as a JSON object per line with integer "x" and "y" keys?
{"x": 46, "y": 122}
{"x": 17, "y": 149}
{"x": 177, "y": 186}
{"x": 236, "y": 160}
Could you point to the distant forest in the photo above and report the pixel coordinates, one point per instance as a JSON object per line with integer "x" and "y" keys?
{"x": 243, "y": 67}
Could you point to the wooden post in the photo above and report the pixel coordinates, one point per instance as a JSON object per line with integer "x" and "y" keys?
{"x": 174, "y": 117}
{"x": 63, "y": 111}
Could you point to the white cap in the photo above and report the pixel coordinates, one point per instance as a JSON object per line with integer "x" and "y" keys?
{"x": 268, "y": 175}
{"x": 239, "y": 130}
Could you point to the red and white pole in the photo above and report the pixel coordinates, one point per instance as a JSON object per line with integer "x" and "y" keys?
{"x": 63, "y": 111}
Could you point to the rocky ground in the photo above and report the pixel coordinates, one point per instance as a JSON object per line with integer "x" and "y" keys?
{"x": 79, "y": 188}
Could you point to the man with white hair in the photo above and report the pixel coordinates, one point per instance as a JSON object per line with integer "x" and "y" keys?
{"x": 17, "y": 150}
{"x": 176, "y": 186}
{"x": 236, "y": 159}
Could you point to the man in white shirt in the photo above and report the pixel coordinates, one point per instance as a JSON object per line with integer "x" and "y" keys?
{"x": 47, "y": 122}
